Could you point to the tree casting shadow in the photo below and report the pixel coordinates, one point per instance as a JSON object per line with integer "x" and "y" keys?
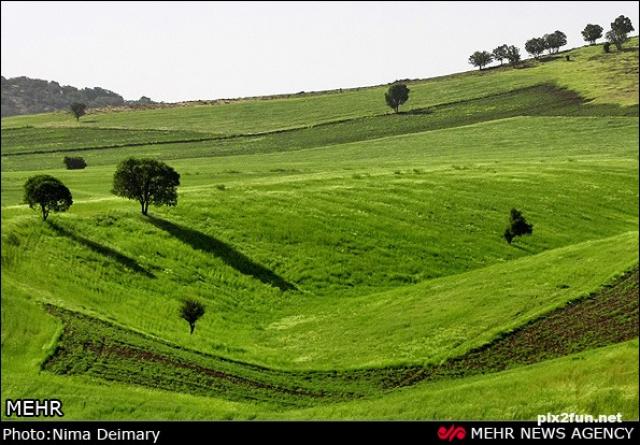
{"x": 228, "y": 254}
{"x": 101, "y": 249}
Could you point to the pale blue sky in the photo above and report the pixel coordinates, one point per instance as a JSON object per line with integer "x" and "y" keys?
{"x": 186, "y": 51}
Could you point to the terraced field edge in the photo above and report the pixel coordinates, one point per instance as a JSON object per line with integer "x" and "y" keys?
{"x": 88, "y": 346}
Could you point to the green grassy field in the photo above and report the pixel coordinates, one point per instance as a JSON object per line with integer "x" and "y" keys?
{"x": 336, "y": 247}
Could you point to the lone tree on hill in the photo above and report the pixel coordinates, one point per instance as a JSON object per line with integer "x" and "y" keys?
{"x": 554, "y": 41}
{"x": 535, "y": 46}
{"x": 396, "y": 95}
{"x": 500, "y": 53}
{"x": 191, "y": 311}
{"x": 518, "y": 226}
{"x": 78, "y": 110}
{"x": 513, "y": 55}
{"x": 591, "y": 33}
{"x": 620, "y": 28}
{"x": 148, "y": 181}
{"x": 48, "y": 193}
{"x": 480, "y": 59}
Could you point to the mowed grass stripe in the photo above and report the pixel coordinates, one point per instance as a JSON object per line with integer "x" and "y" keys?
{"x": 538, "y": 100}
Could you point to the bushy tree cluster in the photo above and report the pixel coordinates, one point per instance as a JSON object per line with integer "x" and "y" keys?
{"x": 554, "y": 41}
{"x": 535, "y": 46}
{"x": 481, "y": 59}
{"x": 504, "y": 52}
{"x": 550, "y": 42}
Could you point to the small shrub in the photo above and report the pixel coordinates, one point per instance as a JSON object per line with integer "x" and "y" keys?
{"x": 606, "y": 47}
{"x": 74, "y": 163}
{"x": 221, "y": 187}
{"x": 518, "y": 226}
{"x": 191, "y": 311}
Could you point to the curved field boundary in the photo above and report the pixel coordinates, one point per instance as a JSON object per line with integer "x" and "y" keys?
{"x": 100, "y": 349}
{"x": 552, "y": 100}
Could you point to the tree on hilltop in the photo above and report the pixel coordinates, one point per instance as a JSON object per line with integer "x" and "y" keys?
{"x": 480, "y": 59}
{"x": 554, "y": 41}
{"x": 591, "y": 33}
{"x": 78, "y": 110}
{"x": 620, "y": 28}
{"x": 500, "y": 53}
{"x": 396, "y": 95}
{"x": 513, "y": 55}
{"x": 535, "y": 46}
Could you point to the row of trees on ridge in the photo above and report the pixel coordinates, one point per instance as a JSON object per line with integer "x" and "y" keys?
{"x": 617, "y": 35}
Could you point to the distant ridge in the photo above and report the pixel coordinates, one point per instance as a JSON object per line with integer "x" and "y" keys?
{"x": 23, "y": 95}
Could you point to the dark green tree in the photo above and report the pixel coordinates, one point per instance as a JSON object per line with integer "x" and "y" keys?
{"x": 480, "y": 59}
{"x": 622, "y": 24}
{"x": 500, "y": 53}
{"x": 396, "y": 95}
{"x": 148, "y": 181}
{"x": 620, "y": 28}
{"x": 74, "y": 163}
{"x": 535, "y": 46}
{"x": 554, "y": 41}
{"x": 48, "y": 193}
{"x": 191, "y": 311}
{"x": 513, "y": 55}
{"x": 518, "y": 226}
{"x": 78, "y": 110}
{"x": 591, "y": 33}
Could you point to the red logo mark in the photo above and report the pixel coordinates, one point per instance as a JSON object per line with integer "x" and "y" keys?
{"x": 452, "y": 433}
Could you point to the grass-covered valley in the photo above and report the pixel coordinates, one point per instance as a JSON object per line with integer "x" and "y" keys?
{"x": 351, "y": 260}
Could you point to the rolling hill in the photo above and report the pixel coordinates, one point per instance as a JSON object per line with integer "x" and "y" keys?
{"x": 351, "y": 260}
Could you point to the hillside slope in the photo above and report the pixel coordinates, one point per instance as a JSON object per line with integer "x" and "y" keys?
{"x": 351, "y": 261}
{"x": 592, "y": 74}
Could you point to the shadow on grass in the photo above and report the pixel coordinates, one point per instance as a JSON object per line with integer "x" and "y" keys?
{"x": 519, "y": 247}
{"x": 418, "y": 111}
{"x": 227, "y": 253}
{"x": 101, "y": 249}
